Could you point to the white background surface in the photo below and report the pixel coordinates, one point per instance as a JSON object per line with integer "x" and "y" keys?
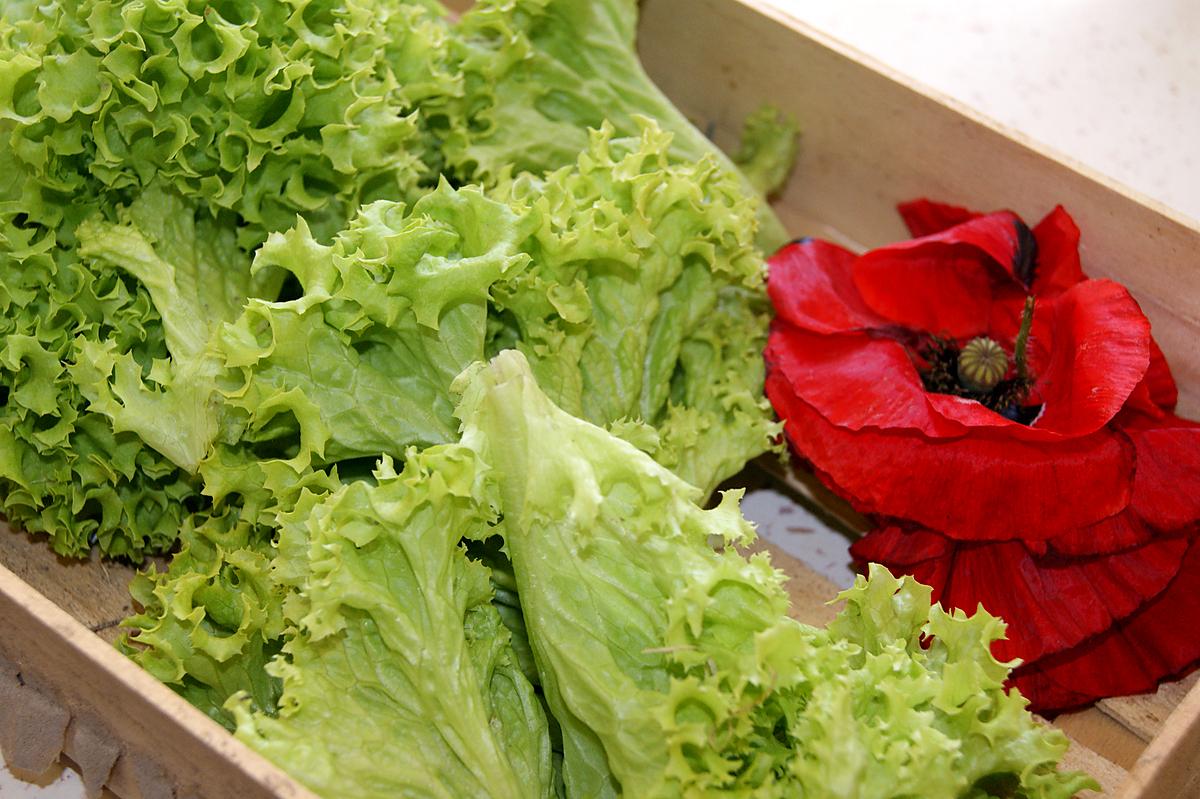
{"x": 1112, "y": 83}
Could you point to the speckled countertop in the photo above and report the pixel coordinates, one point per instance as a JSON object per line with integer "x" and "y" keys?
{"x": 1112, "y": 83}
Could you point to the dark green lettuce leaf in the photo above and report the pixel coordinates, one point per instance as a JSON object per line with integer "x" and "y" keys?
{"x": 144, "y": 149}
{"x": 266, "y": 109}
{"x": 64, "y": 469}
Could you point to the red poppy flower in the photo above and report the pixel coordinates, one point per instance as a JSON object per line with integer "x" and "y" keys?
{"x": 1007, "y": 424}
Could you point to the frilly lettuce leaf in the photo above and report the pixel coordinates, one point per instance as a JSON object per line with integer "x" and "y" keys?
{"x": 64, "y": 470}
{"x": 266, "y": 109}
{"x": 360, "y": 363}
{"x": 644, "y": 300}
{"x": 213, "y": 619}
{"x": 630, "y": 282}
{"x": 144, "y": 149}
{"x": 538, "y": 74}
{"x": 399, "y": 678}
{"x": 198, "y": 279}
{"x": 672, "y": 667}
{"x": 768, "y": 148}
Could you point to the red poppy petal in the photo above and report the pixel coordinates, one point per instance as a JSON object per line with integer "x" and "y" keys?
{"x": 944, "y": 283}
{"x": 973, "y": 488}
{"x": 903, "y": 548}
{"x": 1100, "y": 352}
{"x": 1122, "y": 531}
{"x": 1050, "y": 604}
{"x": 974, "y": 415}
{"x": 855, "y": 380}
{"x": 1058, "y": 266}
{"x": 938, "y": 289}
{"x": 811, "y": 286}
{"x": 1133, "y": 656}
{"x": 1157, "y": 393}
{"x": 1166, "y": 480}
{"x": 924, "y": 217}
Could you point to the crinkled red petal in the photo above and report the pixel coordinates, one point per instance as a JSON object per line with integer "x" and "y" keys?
{"x": 978, "y": 487}
{"x": 811, "y": 286}
{"x": 1058, "y": 266}
{"x": 855, "y": 380}
{"x": 1157, "y": 393}
{"x": 1133, "y": 656}
{"x": 1122, "y": 531}
{"x": 1100, "y": 352}
{"x": 944, "y": 283}
{"x": 1049, "y": 603}
{"x": 925, "y": 217}
{"x": 1166, "y": 478}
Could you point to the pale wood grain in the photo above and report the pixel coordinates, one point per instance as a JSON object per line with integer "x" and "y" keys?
{"x": 810, "y": 592}
{"x": 1169, "y": 767}
{"x": 1091, "y": 728}
{"x": 1108, "y": 774}
{"x": 93, "y": 591}
{"x": 1146, "y": 714}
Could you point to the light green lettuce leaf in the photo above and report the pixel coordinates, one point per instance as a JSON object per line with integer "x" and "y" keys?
{"x": 399, "y": 678}
{"x": 644, "y": 301}
{"x": 388, "y": 314}
{"x": 198, "y": 279}
{"x": 768, "y": 148}
{"x": 538, "y": 74}
{"x": 630, "y": 282}
{"x": 213, "y": 619}
{"x": 672, "y": 666}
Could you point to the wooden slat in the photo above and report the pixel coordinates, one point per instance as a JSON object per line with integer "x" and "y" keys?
{"x": 1101, "y": 733}
{"x": 1146, "y": 714}
{"x": 1101, "y": 769}
{"x": 1169, "y": 768}
{"x": 94, "y": 591}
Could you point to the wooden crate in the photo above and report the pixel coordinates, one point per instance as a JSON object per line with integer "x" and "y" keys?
{"x": 871, "y": 138}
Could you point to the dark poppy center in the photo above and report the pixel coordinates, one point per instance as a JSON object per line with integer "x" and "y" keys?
{"x": 979, "y": 370}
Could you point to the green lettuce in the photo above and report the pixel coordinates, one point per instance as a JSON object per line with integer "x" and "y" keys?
{"x": 644, "y": 300}
{"x": 537, "y": 75}
{"x": 212, "y": 620}
{"x": 65, "y": 470}
{"x": 268, "y": 110}
{"x": 768, "y": 149}
{"x": 672, "y": 666}
{"x": 399, "y": 678}
{"x": 631, "y": 283}
{"x": 144, "y": 151}
{"x": 360, "y": 363}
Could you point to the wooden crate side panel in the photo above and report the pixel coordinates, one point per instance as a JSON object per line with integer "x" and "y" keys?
{"x": 1170, "y": 766}
{"x": 93, "y": 681}
{"x": 872, "y": 139}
